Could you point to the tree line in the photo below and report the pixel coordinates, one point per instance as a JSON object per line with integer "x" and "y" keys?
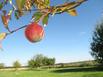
{"x": 40, "y": 60}
{"x": 37, "y": 61}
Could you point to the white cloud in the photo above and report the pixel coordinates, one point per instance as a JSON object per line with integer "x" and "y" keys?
{"x": 82, "y": 33}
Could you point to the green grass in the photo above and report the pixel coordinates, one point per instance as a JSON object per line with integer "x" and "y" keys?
{"x": 60, "y": 72}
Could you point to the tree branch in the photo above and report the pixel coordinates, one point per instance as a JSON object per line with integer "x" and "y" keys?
{"x": 16, "y": 30}
{"x": 78, "y": 3}
{"x": 50, "y": 11}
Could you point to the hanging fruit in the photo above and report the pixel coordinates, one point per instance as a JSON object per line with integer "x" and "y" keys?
{"x": 34, "y": 32}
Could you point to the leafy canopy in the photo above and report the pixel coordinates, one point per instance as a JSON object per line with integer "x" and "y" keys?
{"x": 41, "y": 10}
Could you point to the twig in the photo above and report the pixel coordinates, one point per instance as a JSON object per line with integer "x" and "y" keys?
{"x": 17, "y": 29}
{"x": 78, "y": 3}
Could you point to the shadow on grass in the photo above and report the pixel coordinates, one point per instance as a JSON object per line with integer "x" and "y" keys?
{"x": 93, "y": 75}
{"x": 79, "y": 69}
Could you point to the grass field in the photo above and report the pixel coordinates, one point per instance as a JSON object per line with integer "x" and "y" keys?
{"x": 60, "y": 72}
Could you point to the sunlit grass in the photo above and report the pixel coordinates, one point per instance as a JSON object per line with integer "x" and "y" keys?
{"x": 64, "y": 72}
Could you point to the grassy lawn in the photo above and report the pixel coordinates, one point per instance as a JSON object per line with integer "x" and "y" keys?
{"x": 60, "y": 72}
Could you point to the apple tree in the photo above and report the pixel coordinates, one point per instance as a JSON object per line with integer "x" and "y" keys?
{"x": 41, "y": 9}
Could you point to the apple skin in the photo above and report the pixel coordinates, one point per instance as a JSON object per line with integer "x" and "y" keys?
{"x": 34, "y": 32}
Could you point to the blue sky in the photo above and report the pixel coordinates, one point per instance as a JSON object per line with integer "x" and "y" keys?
{"x": 67, "y": 38}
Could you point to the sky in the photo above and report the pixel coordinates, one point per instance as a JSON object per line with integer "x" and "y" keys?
{"x": 67, "y": 38}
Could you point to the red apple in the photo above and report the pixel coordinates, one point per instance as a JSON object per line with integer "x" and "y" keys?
{"x": 34, "y": 32}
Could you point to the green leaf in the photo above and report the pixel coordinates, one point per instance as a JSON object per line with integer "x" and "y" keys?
{"x": 10, "y": 12}
{"x": 47, "y": 3}
{"x": 1, "y": 6}
{"x": 37, "y": 16}
{"x": 16, "y": 15}
{"x": 20, "y": 4}
{"x": 23, "y": 2}
{"x": 45, "y": 20}
{"x": 37, "y": 13}
{"x": 41, "y": 4}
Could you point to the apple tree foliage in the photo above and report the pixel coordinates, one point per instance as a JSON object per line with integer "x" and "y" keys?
{"x": 41, "y": 10}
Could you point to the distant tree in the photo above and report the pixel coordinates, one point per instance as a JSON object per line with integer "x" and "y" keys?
{"x": 45, "y": 61}
{"x": 97, "y": 43}
{"x": 32, "y": 64}
{"x": 16, "y": 65}
{"x": 36, "y": 61}
{"x": 48, "y": 61}
{"x": 40, "y": 60}
{"x": 51, "y": 61}
{"x": 1, "y": 65}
